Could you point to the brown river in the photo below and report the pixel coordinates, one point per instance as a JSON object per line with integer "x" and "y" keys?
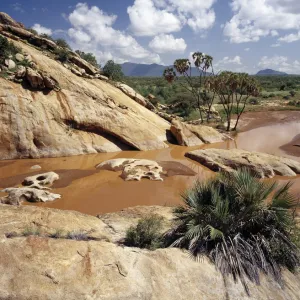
{"x": 85, "y": 189}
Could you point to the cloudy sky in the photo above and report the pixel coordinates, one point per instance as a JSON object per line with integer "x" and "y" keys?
{"x": 241, "y": 35}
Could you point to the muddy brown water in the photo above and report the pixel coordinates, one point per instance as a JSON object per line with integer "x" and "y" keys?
{"x": 85, "y": 189}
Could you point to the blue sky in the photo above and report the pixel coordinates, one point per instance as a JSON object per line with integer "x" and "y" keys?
{"x": 241, "y": 35}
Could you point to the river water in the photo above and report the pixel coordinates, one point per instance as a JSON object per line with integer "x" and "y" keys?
{"x": 85, "y": 189}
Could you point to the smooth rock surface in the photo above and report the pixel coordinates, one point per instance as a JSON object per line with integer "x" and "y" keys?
{"x": 262, "y": 164}
{"x": 58, "y": 269}
{"x": 85, "y": 116}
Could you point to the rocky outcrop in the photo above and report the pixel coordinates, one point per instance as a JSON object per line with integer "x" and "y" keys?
{"x": 17, "y": 195}
{"x": 130, "y": 92}
{"x": 89, "y": 69}
{"x": 85, "y": 116}
{"x": 40, "y": 267}
{"x": 195, "y": 135}
{"x": 7, "y": 20}
{"x": 136, "y": 169}
{"x": 262, "y": 164}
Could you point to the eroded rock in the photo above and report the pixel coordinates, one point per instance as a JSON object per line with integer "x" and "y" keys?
{"x": 136, "y": 169}
{"x": 35, "y": 79}
{"x": 17, "y": 195}
{"x": 262, "y": 164}
{"x": 41, "y": 180}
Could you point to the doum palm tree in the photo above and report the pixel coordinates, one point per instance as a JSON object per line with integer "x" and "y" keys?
{"x": 242, "y": 224}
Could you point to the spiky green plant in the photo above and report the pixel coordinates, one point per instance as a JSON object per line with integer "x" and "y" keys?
{"x": 241, "y": 223}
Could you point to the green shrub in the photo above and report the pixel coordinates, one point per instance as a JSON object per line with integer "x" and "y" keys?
{"x": 253, "y": 101}
{"x": 243, "y": 225}
{"x": 146, "y": 234}
{"x": 286, "y": 97}
{"x": 78, "y": 236}
{"x": 113, "y": 71}
{"x": 292, "y": 93}
{"x": 89, "y": 57}
{"x": 32, "y": 31}
{"x": 62, "y": 54}
{"x": 7, "y": 48}
{"x": 62, "y": 43}
{"x": 28, "y": 231}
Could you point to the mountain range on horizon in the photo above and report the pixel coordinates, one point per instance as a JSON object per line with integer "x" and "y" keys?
{"x": 156, "y": 70}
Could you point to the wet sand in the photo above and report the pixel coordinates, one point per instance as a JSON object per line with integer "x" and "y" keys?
{"x": 85, "y": 189}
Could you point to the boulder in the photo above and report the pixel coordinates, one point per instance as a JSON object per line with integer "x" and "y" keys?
{"x": 40, "y": 180}
{"x": 10, "y": 64}
{"x": 81, "y": 63}
{"x": 183, "y": 135}
{"x": 19, "y": 57}
{"x": 130, "y": 92}
{"x": 21, "y": 72}
{"x": 17, "y": 195}
{"x": 102, "y": 77}
{"x": 49, "y": 82}
{"x": 35, "y": 79}
{"x": 262, "y": 164}
{"x": 75, "y": 71}
{"x": 28, "y": 57}
{"x": 195, "y": 135}
{"x": 136, "y": 169}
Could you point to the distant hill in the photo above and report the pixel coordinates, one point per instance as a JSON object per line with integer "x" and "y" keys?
{"x": 270, "y": 72}
{"x": 144, "y": 70}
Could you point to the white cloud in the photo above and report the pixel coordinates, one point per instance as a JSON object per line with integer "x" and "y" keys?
{"x": 254, "y": 19}
{"x": 275, "y": 45}
{"x": 152, "y": 17}
{"x": 280, "y": 63}
{"x": 247, "y": 49}
{"x": 229, "y": 63}
{"x": 41, "y": 29}
{"x": 18, "y": 7}
{"x": 167, "y": 43}
{"x": 92, "y": 31}
{"x": 290, "y": 38}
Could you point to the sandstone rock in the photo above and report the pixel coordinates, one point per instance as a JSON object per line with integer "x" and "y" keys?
{"x": 183, "y": 135}
{"x": 86, "y": 116}
{"x": 18, "y": 31}
{"x": 136, "y": 169}
{"x": 75, "y": 71}
{"x": 130, "y": 92}
{"x": 7, "y": 20}
{"x": 19, "y": 57}
{"x": 17, "y": 195}
{"x": 28, "y": 57}
{"x": 10, "y": 64}
{"x": 49, "y": 82}
{"x": 195, "y": 135}
{"x": 81, "y": 63}
{"x": 35, "y": 79}
{"x": 262, "y": 164}
{"x": 35, "y": 167}
{"x": 102, "y": 77}
{"x": 58, "y": 269}
{"x": 40, "y": 180}
{"x": 21, "y": 72}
